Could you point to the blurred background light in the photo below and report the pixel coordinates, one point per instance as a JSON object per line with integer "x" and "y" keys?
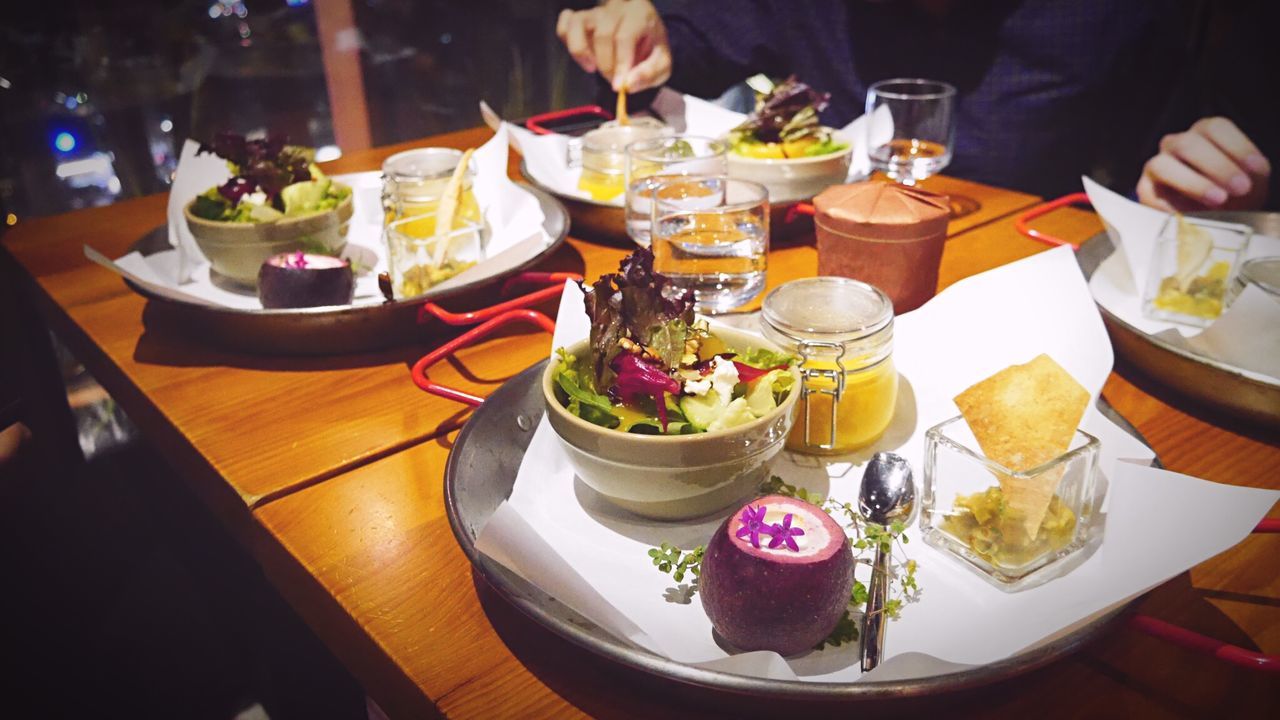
{"x": 64, "y": 142}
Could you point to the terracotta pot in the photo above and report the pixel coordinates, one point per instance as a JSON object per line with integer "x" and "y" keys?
{"x": 884, "y": 234}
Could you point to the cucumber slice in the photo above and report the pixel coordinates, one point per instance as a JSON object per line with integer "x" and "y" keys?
{"x": 702, "y": 410}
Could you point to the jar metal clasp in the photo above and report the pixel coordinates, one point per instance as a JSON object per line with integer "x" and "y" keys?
{"x": 835, "y": 376}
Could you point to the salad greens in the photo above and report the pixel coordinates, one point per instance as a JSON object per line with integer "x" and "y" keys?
{"x": 784, "y": 124}
{"x": 270, "y": 180}
{"x": 654, "y": 369}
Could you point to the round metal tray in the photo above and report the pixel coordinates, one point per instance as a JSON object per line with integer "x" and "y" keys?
{"x": 479, "y": 475}
{"x": 1201, "y": 378}
{"x": 327, "y": 331}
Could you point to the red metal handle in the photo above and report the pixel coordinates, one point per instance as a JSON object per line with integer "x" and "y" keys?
{"x": 491, "y": 318}
{"x": 1205, "y": 645}
{"x": 554, "y": 281}
{"x": 426, "y": 361}
{"x": 535, "y": 122}
{"x": 801, "y": 208}
{"x": 1037, "y": 211}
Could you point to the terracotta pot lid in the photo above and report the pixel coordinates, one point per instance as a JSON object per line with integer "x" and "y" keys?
{"x": 876, "y": 210}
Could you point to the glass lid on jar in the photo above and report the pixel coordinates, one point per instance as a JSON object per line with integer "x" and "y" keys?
{"x": 424, "y": 164}
{"x": 831, "y": 309}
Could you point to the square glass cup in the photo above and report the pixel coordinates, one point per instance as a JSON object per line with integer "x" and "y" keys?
{"x": 419, "y": 258}
{"x": 964, "y": 510}
{"x": 1206, "y": 294}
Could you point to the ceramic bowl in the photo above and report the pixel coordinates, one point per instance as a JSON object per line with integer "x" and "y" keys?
{"x": 237, "y": 250}
{"x": 795, "y": 179}
{"x": 672, "y": 477}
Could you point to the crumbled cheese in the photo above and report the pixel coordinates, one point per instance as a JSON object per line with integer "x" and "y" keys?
{"x": 697, "y": 387}
{"x": 257, "y": 198}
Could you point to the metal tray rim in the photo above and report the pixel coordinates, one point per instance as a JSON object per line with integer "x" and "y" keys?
{"x": 556, "y": 223}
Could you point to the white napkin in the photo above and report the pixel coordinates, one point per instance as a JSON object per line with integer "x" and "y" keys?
{"x": 194, "y": 175}
{"x": 514, "y": 215}
{"x": 562, "y": 537}
{"x": 1247, "y": 335}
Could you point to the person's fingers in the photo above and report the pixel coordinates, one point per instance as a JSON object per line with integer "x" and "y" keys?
{"x": 1167, "y": 171}
{"x": 562, "y": 24}
{"x": 602, "y": 42}
{"x": 653, "y": 71}
{"x": 627, "y": 46}
{"x": 1147, "y": 195}
{"x": 1231, "y": 140}
{"x": 1207, "y": 158}
{"x": 575, "y": 39}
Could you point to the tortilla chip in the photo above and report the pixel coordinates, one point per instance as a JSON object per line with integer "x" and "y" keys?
{"x": 1195, "y": 245}
{"x": 1022, "y": 417}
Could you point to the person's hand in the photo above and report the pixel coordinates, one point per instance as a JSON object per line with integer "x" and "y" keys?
{"x": 1211, "y": 166}
{"x": 624, "y": 40}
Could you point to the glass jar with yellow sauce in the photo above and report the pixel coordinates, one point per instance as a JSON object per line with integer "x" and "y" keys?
{"x": 414, "y": 180}
{"x": 603, "y": 155}
{"x": 842, "y": 330}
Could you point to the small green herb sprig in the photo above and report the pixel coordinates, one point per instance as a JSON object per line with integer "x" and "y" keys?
{"x": 865, "y": 537}
{"x": 671, "y": 559}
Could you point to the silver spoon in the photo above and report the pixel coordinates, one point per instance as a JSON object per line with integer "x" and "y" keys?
{"x": 888, "y": 494}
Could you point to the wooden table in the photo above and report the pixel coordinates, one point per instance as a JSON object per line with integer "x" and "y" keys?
{"x": 330, "y": 471}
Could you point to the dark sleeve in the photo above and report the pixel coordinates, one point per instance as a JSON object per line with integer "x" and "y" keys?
{"x": 717, "y": 44}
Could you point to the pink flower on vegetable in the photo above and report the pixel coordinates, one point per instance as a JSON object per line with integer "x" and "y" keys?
{"x": 752, "y": 524}
{"x": 784, "y": 533}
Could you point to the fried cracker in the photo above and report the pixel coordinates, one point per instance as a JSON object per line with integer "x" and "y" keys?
{"x": 1022, "y": 417}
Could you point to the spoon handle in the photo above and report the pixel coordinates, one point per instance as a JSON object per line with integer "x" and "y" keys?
{"x": 873, "y": 623}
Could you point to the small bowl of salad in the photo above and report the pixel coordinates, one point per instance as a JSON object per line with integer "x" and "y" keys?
{"x": 276, "y": 201}
{"x": 660, "y": 413}
{"x": 782, "y": 145}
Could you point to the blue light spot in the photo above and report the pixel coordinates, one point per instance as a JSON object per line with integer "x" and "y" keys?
{"x": 65, "y": 142}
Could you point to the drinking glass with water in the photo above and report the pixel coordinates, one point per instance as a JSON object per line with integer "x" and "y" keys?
{"x": 650, "y": 162}
{"x": 711, "y": 234}
{"x": 924, "y": 127}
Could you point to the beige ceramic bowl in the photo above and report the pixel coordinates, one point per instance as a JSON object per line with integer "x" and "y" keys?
{"x": 795, "y": 179}
{"x": 672, "y": 477}
{"x": 237, "y": 250}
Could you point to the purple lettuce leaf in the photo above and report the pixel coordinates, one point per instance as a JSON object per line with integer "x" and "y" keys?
{"x": 635, "y": 303}
{"x": 789, "y": 112}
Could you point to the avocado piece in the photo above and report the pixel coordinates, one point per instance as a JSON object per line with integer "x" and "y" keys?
{"x": 306, "y": 196}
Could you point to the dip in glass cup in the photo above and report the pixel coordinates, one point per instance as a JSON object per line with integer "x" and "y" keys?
{"x": 604, "y": 155}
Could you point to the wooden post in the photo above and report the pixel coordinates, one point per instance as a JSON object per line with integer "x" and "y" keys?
{"x": 340, "y": 50}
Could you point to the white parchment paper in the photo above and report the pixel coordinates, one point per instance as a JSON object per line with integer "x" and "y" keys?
{"x": 562, "y": 537}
